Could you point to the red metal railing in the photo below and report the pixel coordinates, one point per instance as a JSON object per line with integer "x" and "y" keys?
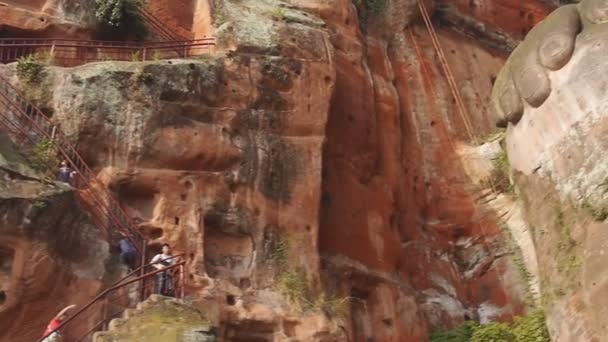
{"x": 28, "y": 126}
{"x": 159, "y": 28}
{"x": 73, "y": 52}
{"x": 123, "y": 294}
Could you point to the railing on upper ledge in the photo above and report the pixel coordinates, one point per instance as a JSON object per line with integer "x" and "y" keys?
{"x": 73, "y": 52}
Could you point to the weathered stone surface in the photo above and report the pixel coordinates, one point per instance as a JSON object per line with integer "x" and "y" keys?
{"x": 66, "y": 18}
{"x": 328, "y": 124}
{"x": 50, "y": 253}
{"x": 556, "y": 148}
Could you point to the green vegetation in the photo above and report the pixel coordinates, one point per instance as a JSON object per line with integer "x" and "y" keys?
{"x": 157, "y": 56}
{"x": 160, "y": 322}
{"x": 499, "y": 179}
{"x": 462, "y": 333}
{"x": 598, "y": 214}
{"x": 334, "y": 306}
{"x": 375, "y": 7}
{"x": 568, "y": 261}
{"x": 122, "y": 14}
{"x": 39, "y": 204}
{"x": 278, "y": 13}
{"x": 293, "y": 284}
{"x": 29, "y": 68}
{"x": 144, "y": 77}
{"x": 136, "y": 56}
{"x": 518, "y": 261}
{"x": 495, "y": 331}
{"x": 280, "y": 253}
{"x": 42, "y": 154}
{"x": 529, "y": 328}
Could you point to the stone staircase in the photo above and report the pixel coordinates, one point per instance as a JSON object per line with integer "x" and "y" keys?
{"x": 159, "y": 319}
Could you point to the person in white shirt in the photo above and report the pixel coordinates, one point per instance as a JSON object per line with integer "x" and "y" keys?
{"x": 164, "y": 280}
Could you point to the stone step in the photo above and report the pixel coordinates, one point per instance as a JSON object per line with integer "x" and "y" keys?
{"x": 116, "y": 323}
{"x": 128, "y": 313}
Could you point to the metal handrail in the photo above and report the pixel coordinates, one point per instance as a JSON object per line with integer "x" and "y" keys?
{"x": 138, "y": 270}
{"x": 83, "y": 42}
{"x": 158, "y": 26}
{"x": 72, "y": 52}
{"x": 119, "y": 285}
{"x": 15, "y": 103}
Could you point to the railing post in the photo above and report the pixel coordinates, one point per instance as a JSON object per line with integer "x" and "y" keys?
{"x": 144, "y": 53}
{"x": 104, "y": 324}
{"x": 52, "y": 54}
{"x": 182, "y": 281}
{"x": 142, "y": 287}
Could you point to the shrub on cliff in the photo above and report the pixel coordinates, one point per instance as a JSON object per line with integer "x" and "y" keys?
{"x": 122, "y": 14}
{"x": 529, "y": 328}
{"x": 493, "y": 332}
{"x": 29, "y": 68}
{"x": 461, "y": 334}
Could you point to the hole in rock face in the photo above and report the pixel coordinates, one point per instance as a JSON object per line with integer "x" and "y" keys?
{"x": 230, "y": 300}
{"x": 2, "y": 297}
{"x": 176, "y": 220}
{"x": 183, "y": 197}
{"x": 138, "y": 197}
{"x": 6, "y": 264}
{"x": 227, "y": 256}
{"x": 152, "y": 233}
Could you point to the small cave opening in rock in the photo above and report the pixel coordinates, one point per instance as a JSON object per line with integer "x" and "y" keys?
{"x": 7, "y": 256}
{"x": 151, "y": 232}
{"x": 2, "y": 297}
{"x": 138, "y": 197}
{"x": 176, "y": 220}
{"x": 230, "y": 300}
{"x": 228, "y": 251}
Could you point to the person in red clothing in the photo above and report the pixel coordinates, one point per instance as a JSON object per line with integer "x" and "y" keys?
{"x": 50, "y": 334}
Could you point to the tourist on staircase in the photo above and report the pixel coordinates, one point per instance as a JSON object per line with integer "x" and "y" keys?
{"x": 65, "y": 173}
{"x": 128, "y": 253}
{"x": 50, "y": 334}
{"x": 164, "y": 280}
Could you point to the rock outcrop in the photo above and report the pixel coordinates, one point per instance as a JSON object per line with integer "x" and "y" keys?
{"x": 47, "y": 18}
{"x": 551, "y": 93}
{"x": 317, "y": 171}
{"x": 50, "y": 254}
{"x": 159, "y": 319}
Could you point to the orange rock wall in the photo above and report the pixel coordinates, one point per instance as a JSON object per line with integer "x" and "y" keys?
{"x": 395, "y": 197}
{"x": 514, "y": 17}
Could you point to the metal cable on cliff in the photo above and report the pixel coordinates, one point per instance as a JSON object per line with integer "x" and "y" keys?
{"x": 447, "y": 71}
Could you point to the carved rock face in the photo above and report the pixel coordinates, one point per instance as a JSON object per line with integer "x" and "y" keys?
{"x": 48, "y": 17}
{"x": 552, "y": 91}
{"x": 552, "y": 95}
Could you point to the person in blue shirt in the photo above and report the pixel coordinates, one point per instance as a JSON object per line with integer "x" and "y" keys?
{"x": 127, "y": 253}
{"x": 65, "y": 173}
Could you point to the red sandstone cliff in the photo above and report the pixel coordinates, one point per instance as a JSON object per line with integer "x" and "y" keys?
{"x": 331, "y": 126}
